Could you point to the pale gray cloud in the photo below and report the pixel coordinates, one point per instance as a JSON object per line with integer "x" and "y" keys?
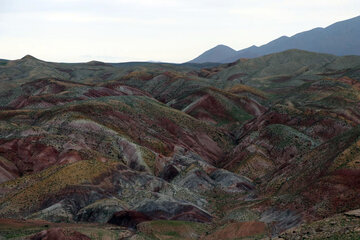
{"x": 160, "y": 30}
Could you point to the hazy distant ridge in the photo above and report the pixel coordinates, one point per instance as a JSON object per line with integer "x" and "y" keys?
{"x": 341, "y": 38}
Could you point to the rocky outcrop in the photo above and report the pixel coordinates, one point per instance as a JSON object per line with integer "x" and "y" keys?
{"x": 279, "y": 221}
{"x": 101, "y": 211}
{"x": 231, "y": 182}
{"x": 59, "y": 212}
{"x": 196, "y": 180}
{"x": 355, "y": 213}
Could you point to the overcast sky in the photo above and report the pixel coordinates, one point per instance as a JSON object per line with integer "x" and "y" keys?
{"x": 157, "y": 30}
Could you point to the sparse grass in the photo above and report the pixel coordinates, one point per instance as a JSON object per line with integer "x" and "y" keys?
{"x": 239, "y": 88}
{"x": 21, "y": 230}
{"x": 138, "y": 74}
{"x": 349, "y": 158}
{"x": 342, "y": 236}
{"x": 17, "y": 233}
{"x": 165, "y": 229}
{"x": 50, "y": 182}
{"x": 149, "y": 157}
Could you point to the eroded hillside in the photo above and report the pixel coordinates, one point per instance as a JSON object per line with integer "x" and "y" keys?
{"x": 247, "y": 149}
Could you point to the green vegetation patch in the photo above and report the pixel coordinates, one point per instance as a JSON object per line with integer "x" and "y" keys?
{"x": 285, "y": 136}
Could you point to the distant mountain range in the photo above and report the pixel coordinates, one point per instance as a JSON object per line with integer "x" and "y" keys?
{"x": 341, "y": 38}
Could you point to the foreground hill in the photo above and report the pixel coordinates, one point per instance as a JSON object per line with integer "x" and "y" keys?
{"x": 247, "y": 149}
{"x": 339, "y": 39}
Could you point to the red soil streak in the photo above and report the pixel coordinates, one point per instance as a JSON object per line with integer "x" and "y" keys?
{"x": 349, "y": 81}
{"x": 29, "y": 155}
{"x": 210, "y": 105}
{"x": 170, "y": 126}
{"x": 235, "y": 76}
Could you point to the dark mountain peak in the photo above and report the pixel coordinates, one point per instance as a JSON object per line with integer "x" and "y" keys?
{"x": 215, "y": 54}
{"x": 97, "y": 63}
{"x": 26, "y": 60}
{"x": 29, "y": 57}
{"x": 282, "y": 38}
{"x": 222, "y": 46}
{"x": 252, "y": 47}
{"x": 221, "y": 49}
